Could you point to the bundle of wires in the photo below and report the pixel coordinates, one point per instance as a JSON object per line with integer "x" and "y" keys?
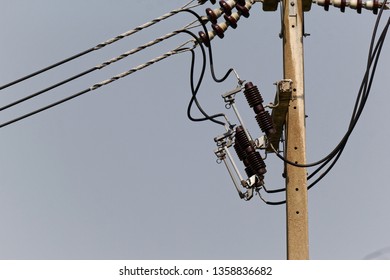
{"x": 328, "y": 162}
{"x": 180, "y": 49}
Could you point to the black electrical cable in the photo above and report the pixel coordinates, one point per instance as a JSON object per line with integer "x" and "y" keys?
{"x": 96, "y": 86}
{"x": 274, "y": 190}
{"x": 99, "y": 46}
{"x": 347, "y": 134}
{"x": 47, "y": 68}
{"x": 276, "y": 203}
{"x": 364, "y": 91}
{"x": 47, "y": 89}
{"x": 210, "y": 52}
{"x": 194, "y": 90}
{"x": 45, "y": 108}
{"x": 336, "y": 158}
{"x": 193, "y": 99}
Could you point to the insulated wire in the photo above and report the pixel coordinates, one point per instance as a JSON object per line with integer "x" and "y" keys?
{"x": 210, "y": 52}
{"x": 104, "y": 44}
{"x": 99, "y": 67}
{"x": 349, "y": 131}
{"x": 178, "y": 50}
{"x": 119, "y": 76}
{"x": 346, "y": 136}
{"x": 365, "y": 88}
{"x": 364, "y": 93}
{"x": 195, "y": 90}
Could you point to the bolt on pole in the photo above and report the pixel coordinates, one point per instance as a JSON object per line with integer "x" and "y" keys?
{"x": 295, "y": 144}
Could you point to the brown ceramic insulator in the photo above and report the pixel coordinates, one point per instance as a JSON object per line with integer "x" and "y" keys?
{"x": 241, "y": 2}
{"x": 241, "y": 154}
{"x": 218, "y": 30}
{"x": 253, "y": 95}
{"x": 242, "y": 138}
{"x": 239, "y": 151}
{"x": 243, "y": 10}
{"x": 264, "y": 120}
{"x": 359, "y": 6}
{"x": 258, "y": 108}
{"x": 326, "y": 5}
{"x": 257, "y": 163}
{"x": 374, "y": 8}
{"x": 253, "y": 161}
{"x": 226, "y": 7}
{"x": 203, "y": 37}
{"x": 249, "y": 171}
{"x": 231, "y": 21}
{"x": 211, "y": 15}
{"x": 344, "y": 4}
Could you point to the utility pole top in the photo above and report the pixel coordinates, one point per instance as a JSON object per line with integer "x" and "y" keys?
{"x": 272, "y": 5}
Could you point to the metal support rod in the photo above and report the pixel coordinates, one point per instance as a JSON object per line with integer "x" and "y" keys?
{"x": 233, "y": 164}
{"x": 296, "y": 182}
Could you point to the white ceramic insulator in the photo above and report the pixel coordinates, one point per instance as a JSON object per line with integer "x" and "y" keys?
{"x": 248, "y": 4}
{"x": 236, "y": 16}
{"x": 321, "y": 2}
{"x": 211, "y": 34}
{"x": 369, "y": 5}
{"x": 336, "y": 3}
{"x": 231, "y": 3}
{"x": 353, "y": 4}
{"x": 223, "y": 25}
{"x": 218, "y": 12}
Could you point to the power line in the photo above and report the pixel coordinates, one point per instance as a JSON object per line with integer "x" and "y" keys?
{"x": 105, "y": 43}
{"x": 363, "y": 94}
{"x": 99, "y": 66}
{"x": 178, "y": 50}
{"x": 196, "y": 41}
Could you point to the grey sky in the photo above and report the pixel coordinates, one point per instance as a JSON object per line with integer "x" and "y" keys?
{"x": 121, "y": 173}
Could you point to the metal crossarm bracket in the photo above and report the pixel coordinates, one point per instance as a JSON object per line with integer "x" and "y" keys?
{"x": 282, "y": 101}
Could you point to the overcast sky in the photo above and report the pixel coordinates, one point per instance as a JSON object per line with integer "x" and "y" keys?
{"x": 121, "y": 173}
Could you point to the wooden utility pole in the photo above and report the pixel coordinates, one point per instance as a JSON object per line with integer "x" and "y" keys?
{"x": 295, "y": 144}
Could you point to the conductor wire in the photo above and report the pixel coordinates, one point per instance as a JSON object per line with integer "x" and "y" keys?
{"x": 105, "y": 43}
{"x": 364, "y": 91}
{"x": 179, "y": 49}
{"x": 100, "y": 66}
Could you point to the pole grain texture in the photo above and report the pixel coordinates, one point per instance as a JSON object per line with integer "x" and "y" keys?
{"x": 296, "y": 183}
